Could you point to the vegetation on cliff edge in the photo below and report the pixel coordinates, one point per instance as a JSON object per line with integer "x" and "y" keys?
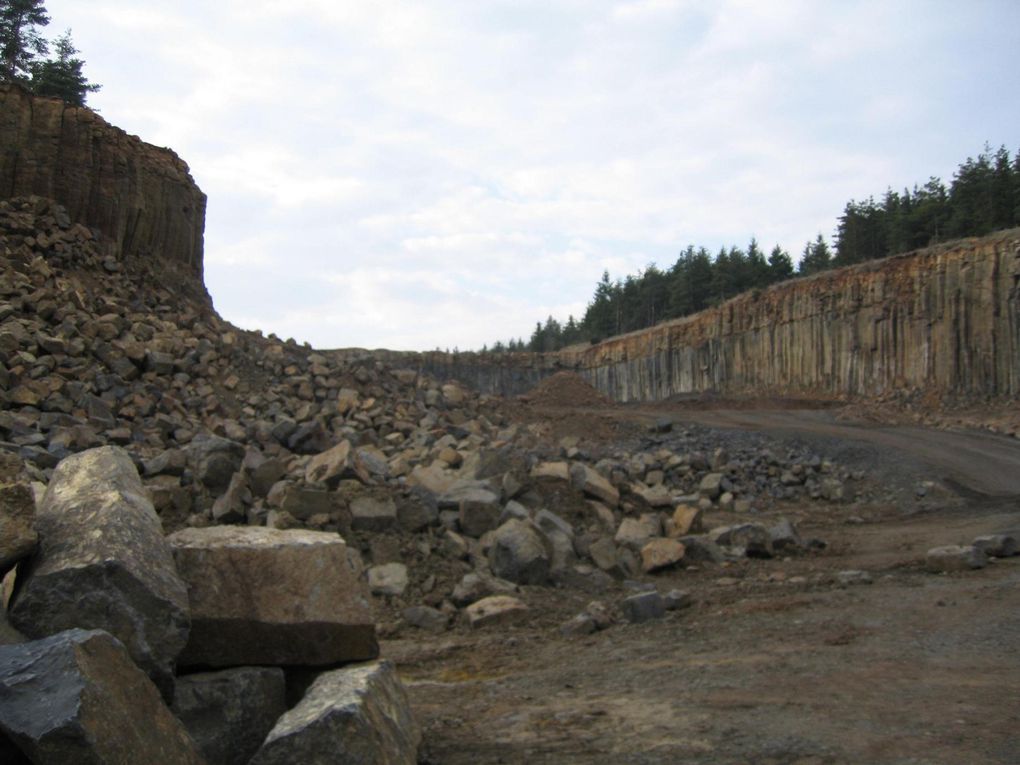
{"x": 983, "y": 197}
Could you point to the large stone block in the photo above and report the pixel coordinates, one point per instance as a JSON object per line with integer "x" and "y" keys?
{"x": 76, "y": 697}
{"x": 229, "y": 713}
{"x": 267, "y": 596}
{"x": 352, "y": 716}
{"x": 103, "y": 563}
{"x": 519, "y": 553}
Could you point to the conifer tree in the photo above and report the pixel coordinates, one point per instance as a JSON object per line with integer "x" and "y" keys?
{"x": 20, "y": 41}
{"x": 62, "y": 76}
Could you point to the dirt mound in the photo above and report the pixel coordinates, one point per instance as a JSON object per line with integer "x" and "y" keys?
{"x": 565, "y": 389}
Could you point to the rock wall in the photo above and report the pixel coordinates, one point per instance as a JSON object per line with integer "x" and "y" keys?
{"x": 944, "y": 320}
{"x": 141, "y": 197}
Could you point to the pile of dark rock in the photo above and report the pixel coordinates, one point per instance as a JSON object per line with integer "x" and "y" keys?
{"x": 253, "y": 453}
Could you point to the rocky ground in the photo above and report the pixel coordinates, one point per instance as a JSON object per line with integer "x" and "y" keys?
{"x": 557, "y": 578}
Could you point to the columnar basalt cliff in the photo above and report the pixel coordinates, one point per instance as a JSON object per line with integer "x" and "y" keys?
{"x": 141, "y": 197}
{"x": 944, "y": 320}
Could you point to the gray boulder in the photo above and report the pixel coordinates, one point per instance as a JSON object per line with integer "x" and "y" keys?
{"x": 103, "y": 563}
{"x": 352, "y": 716}
{"x": 519, "y": 553}
{"x": 266, "y": 596}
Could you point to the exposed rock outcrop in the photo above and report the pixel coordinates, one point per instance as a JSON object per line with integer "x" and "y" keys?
{"x": 141, "y": 197}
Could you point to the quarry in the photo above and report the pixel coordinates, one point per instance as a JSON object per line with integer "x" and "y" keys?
{"x": 781, "y": 531}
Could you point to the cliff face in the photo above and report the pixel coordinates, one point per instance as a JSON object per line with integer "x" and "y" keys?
{"x": 141, "y": 197}
{"x": 945, "y": 320}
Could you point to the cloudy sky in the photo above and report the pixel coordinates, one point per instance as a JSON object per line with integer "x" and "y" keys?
{"x": 444, "y": 173}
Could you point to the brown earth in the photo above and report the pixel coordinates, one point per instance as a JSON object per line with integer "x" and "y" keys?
{"x": 776, "y": 661}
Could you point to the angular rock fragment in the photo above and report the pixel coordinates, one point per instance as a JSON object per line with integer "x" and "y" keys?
{"x": 635, "y": 533}
{"x": 76, "y": 697}
{"x": 335, "y": 465}
{"x": 351, "y": 716}
{"x": 388, "y": 579}
{"x": 18, "y": 537}
{"x": 519, "y": 553}
{"x": 659, "y": 554}
{"x": 103, "y": 563}
{"x": 373, "y": 514}
{"x": 266, "y": 596}
{"x": 229, "y": 713}
{"x": 643, "y": 607}
{"x": 594, "y": 484}
{"x": 495, "y": 609}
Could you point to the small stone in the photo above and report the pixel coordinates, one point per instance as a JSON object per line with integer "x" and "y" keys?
{"x": 852, "y": 577}
{"x": 369, "y": 513}
{"x": 643, "y": 607}
{"x": 594, "y": 484}
{"x": 18, "y": 538}
{"x": 674, "y": 600}
{"x": 686, "y": 520}
{"x": 955, "y": 558}
{"x": 519, "y": 553}
{"x": 997, "y": 545}
{"x": 388, "y": 579}
{"x": 426, "y": 618}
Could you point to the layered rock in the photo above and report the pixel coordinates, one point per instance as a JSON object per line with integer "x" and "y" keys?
{"x": 942, "y": 320}
{"x": 140, "y": 196}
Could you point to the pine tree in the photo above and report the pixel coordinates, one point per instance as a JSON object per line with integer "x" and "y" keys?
{"x": 20, "y": 41}
{"x": 62, "y": 76}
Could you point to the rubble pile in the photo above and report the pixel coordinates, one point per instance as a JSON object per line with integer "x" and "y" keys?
{"x": 185, "y": 484}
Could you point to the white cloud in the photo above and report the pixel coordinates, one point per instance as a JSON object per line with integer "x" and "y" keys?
{"x": 418, "y": 174}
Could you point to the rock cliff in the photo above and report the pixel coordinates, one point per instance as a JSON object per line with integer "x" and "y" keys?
{"x": 944, "y": 320}
{"x": 141, "y": 197}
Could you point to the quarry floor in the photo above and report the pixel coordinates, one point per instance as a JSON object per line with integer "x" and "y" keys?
{"x": 776, "y": 662}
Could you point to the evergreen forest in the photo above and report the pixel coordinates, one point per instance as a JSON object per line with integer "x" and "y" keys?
{"x": 983, "y": 197}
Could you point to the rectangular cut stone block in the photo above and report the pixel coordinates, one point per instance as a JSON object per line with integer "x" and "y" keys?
{"x": 103, "y": 563}
{"x": 269, "y": 596}
{"x": 351, "y": 716}
{"x": 76, "y": 697}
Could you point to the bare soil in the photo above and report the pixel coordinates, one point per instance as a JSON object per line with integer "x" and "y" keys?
{"x": 776, "y": 662}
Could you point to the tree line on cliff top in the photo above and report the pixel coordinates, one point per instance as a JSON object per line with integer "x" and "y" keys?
{"x": 983, "y": 197}
{"x": 23, "y": 49}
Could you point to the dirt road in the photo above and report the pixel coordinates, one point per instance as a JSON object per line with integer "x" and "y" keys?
{"x": 778, "y": 662}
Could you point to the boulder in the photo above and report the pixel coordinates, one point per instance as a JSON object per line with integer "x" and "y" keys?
{"x": 686, "y": 520}
{"x": 635, "y": 533}
{"x": 712, "y": 485}
{"x": 77, "y": 697}
{"x": 231, "y": 506}
{"x": 229, "y": 713}
{"x": 351, "y": 716}
{"x": 337, "y": 464}
{"x": 267, "y": 596}
{"x": 753, "y": 538}
{"x": 592, "y": 483}
{"x": 660, "y": 554}
{"x": 478, "y": 511}
{"x": 519, "y": 553}
{"x": 215, "y": 460}
{"x": 18, "y": 537}
{"x": 103, "y": 563}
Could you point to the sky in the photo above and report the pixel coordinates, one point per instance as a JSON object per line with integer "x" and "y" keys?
{"x": 444, "y": 173}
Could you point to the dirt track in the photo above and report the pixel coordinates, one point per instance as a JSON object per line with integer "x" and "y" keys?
{"x": 776, "y": 662}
